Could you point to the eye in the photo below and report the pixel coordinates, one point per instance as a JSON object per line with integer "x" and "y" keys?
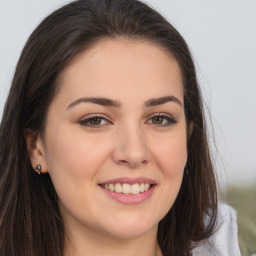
{"x": 161, "y": 120}
{"x": 94, "y": 122}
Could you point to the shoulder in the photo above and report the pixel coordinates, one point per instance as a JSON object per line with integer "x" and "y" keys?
{"x": 224, "y": 241}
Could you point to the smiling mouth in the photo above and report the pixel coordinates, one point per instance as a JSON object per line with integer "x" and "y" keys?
{"x": 125, "y": 188}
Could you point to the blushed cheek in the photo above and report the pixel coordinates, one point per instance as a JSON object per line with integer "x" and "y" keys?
{"x": 171, "y": 157}
{"x": 77, "y": 156}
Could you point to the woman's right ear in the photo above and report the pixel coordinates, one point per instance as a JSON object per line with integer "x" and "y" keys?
{"x": 35, "y": 150}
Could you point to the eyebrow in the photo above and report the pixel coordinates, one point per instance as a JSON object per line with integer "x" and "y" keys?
{"x": 162, "y": 100}
{"x": 115, "y": 103}
{"x": 99, "y": 101}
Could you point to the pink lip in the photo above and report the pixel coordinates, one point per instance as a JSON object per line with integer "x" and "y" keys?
{"x": 129, "y": 198}
{"x": 128, "y": 180}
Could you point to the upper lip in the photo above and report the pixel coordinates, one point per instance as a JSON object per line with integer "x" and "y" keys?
{"x": 129, "y": 180}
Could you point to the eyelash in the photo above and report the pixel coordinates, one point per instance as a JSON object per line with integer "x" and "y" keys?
{"x": 86, "y": 122}
{"x": 168, "y": 119}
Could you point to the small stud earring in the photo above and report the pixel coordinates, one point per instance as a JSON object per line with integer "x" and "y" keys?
{"x": 186, "y": 170}
{"x": 38, "y": 169}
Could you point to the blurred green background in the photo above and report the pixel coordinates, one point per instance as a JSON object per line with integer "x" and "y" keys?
{"x": 243, "y": 200}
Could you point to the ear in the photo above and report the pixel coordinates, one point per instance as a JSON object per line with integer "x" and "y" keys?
{"x": 35, "y": 150}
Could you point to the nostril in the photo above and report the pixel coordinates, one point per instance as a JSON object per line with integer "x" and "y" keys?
{"x": 130, "y": 156}
{"x": 132, "y": 164}
{"x": 123, "y": 162}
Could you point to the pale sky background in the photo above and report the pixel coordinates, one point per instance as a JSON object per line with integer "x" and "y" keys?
{"x": 222, "y": 38}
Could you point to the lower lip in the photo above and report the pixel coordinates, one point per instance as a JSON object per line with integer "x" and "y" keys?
{"x": 130, "y": 198}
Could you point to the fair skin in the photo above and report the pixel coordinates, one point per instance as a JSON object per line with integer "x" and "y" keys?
{"x": 137, "y": 135}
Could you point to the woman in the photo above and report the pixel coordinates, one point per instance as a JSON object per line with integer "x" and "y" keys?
{"x": 103, "y": 145}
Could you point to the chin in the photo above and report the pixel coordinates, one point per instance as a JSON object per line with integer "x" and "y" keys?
{"x": 130, "y": 233}
{"x": 131, "y": 227}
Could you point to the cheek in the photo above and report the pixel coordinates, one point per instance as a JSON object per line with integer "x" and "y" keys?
{"x": 73, "y": 161}
{"x": 171, "y": 154}
{"x": 74, "y": 153}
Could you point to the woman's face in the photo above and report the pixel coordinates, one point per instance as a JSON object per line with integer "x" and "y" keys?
{"x": 115, "y": 138}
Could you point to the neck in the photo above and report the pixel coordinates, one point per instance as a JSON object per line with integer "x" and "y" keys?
{"x": 89, "y": 243}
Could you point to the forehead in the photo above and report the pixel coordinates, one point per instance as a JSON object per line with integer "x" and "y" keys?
{"x": 119, "y": 66}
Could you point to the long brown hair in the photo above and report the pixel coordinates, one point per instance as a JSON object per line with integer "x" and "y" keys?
{"x": 30, "y": 220}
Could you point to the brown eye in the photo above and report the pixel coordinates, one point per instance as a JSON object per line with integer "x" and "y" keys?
{"x": 157, "y": 120}
{"x": 161, "y": 120}
{"x": 95, "y": 121}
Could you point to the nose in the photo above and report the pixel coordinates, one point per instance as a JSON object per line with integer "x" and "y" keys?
{"x": 131, "y": 148}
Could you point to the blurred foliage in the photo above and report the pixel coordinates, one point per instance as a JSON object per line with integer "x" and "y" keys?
{"x": 243, "y": 200}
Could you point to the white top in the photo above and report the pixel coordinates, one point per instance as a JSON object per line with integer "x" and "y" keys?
{"x": 224, "y": 242}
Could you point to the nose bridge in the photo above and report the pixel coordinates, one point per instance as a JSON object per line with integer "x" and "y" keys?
{"x": 131, "y": 147}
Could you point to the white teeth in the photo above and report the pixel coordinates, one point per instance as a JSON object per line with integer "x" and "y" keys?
{"x": 118, "y": 188}
{"x": 142, "y": 187}
{"x": 135, "y": 189}
{"x": 128, "y": 188}
{"x": 111, "y": 187}
{"x": 147, "y": 185}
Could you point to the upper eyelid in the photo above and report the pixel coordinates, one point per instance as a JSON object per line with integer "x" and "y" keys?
{"x": 107, "y": 118}
{"x": 99, "y": 115}
{"x": 168, "y": 117}
{"x": 86, "y": 119}
{"x": 163, "y": 114}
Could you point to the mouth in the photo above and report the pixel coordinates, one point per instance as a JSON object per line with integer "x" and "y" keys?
{"x": 128, "y": 190}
